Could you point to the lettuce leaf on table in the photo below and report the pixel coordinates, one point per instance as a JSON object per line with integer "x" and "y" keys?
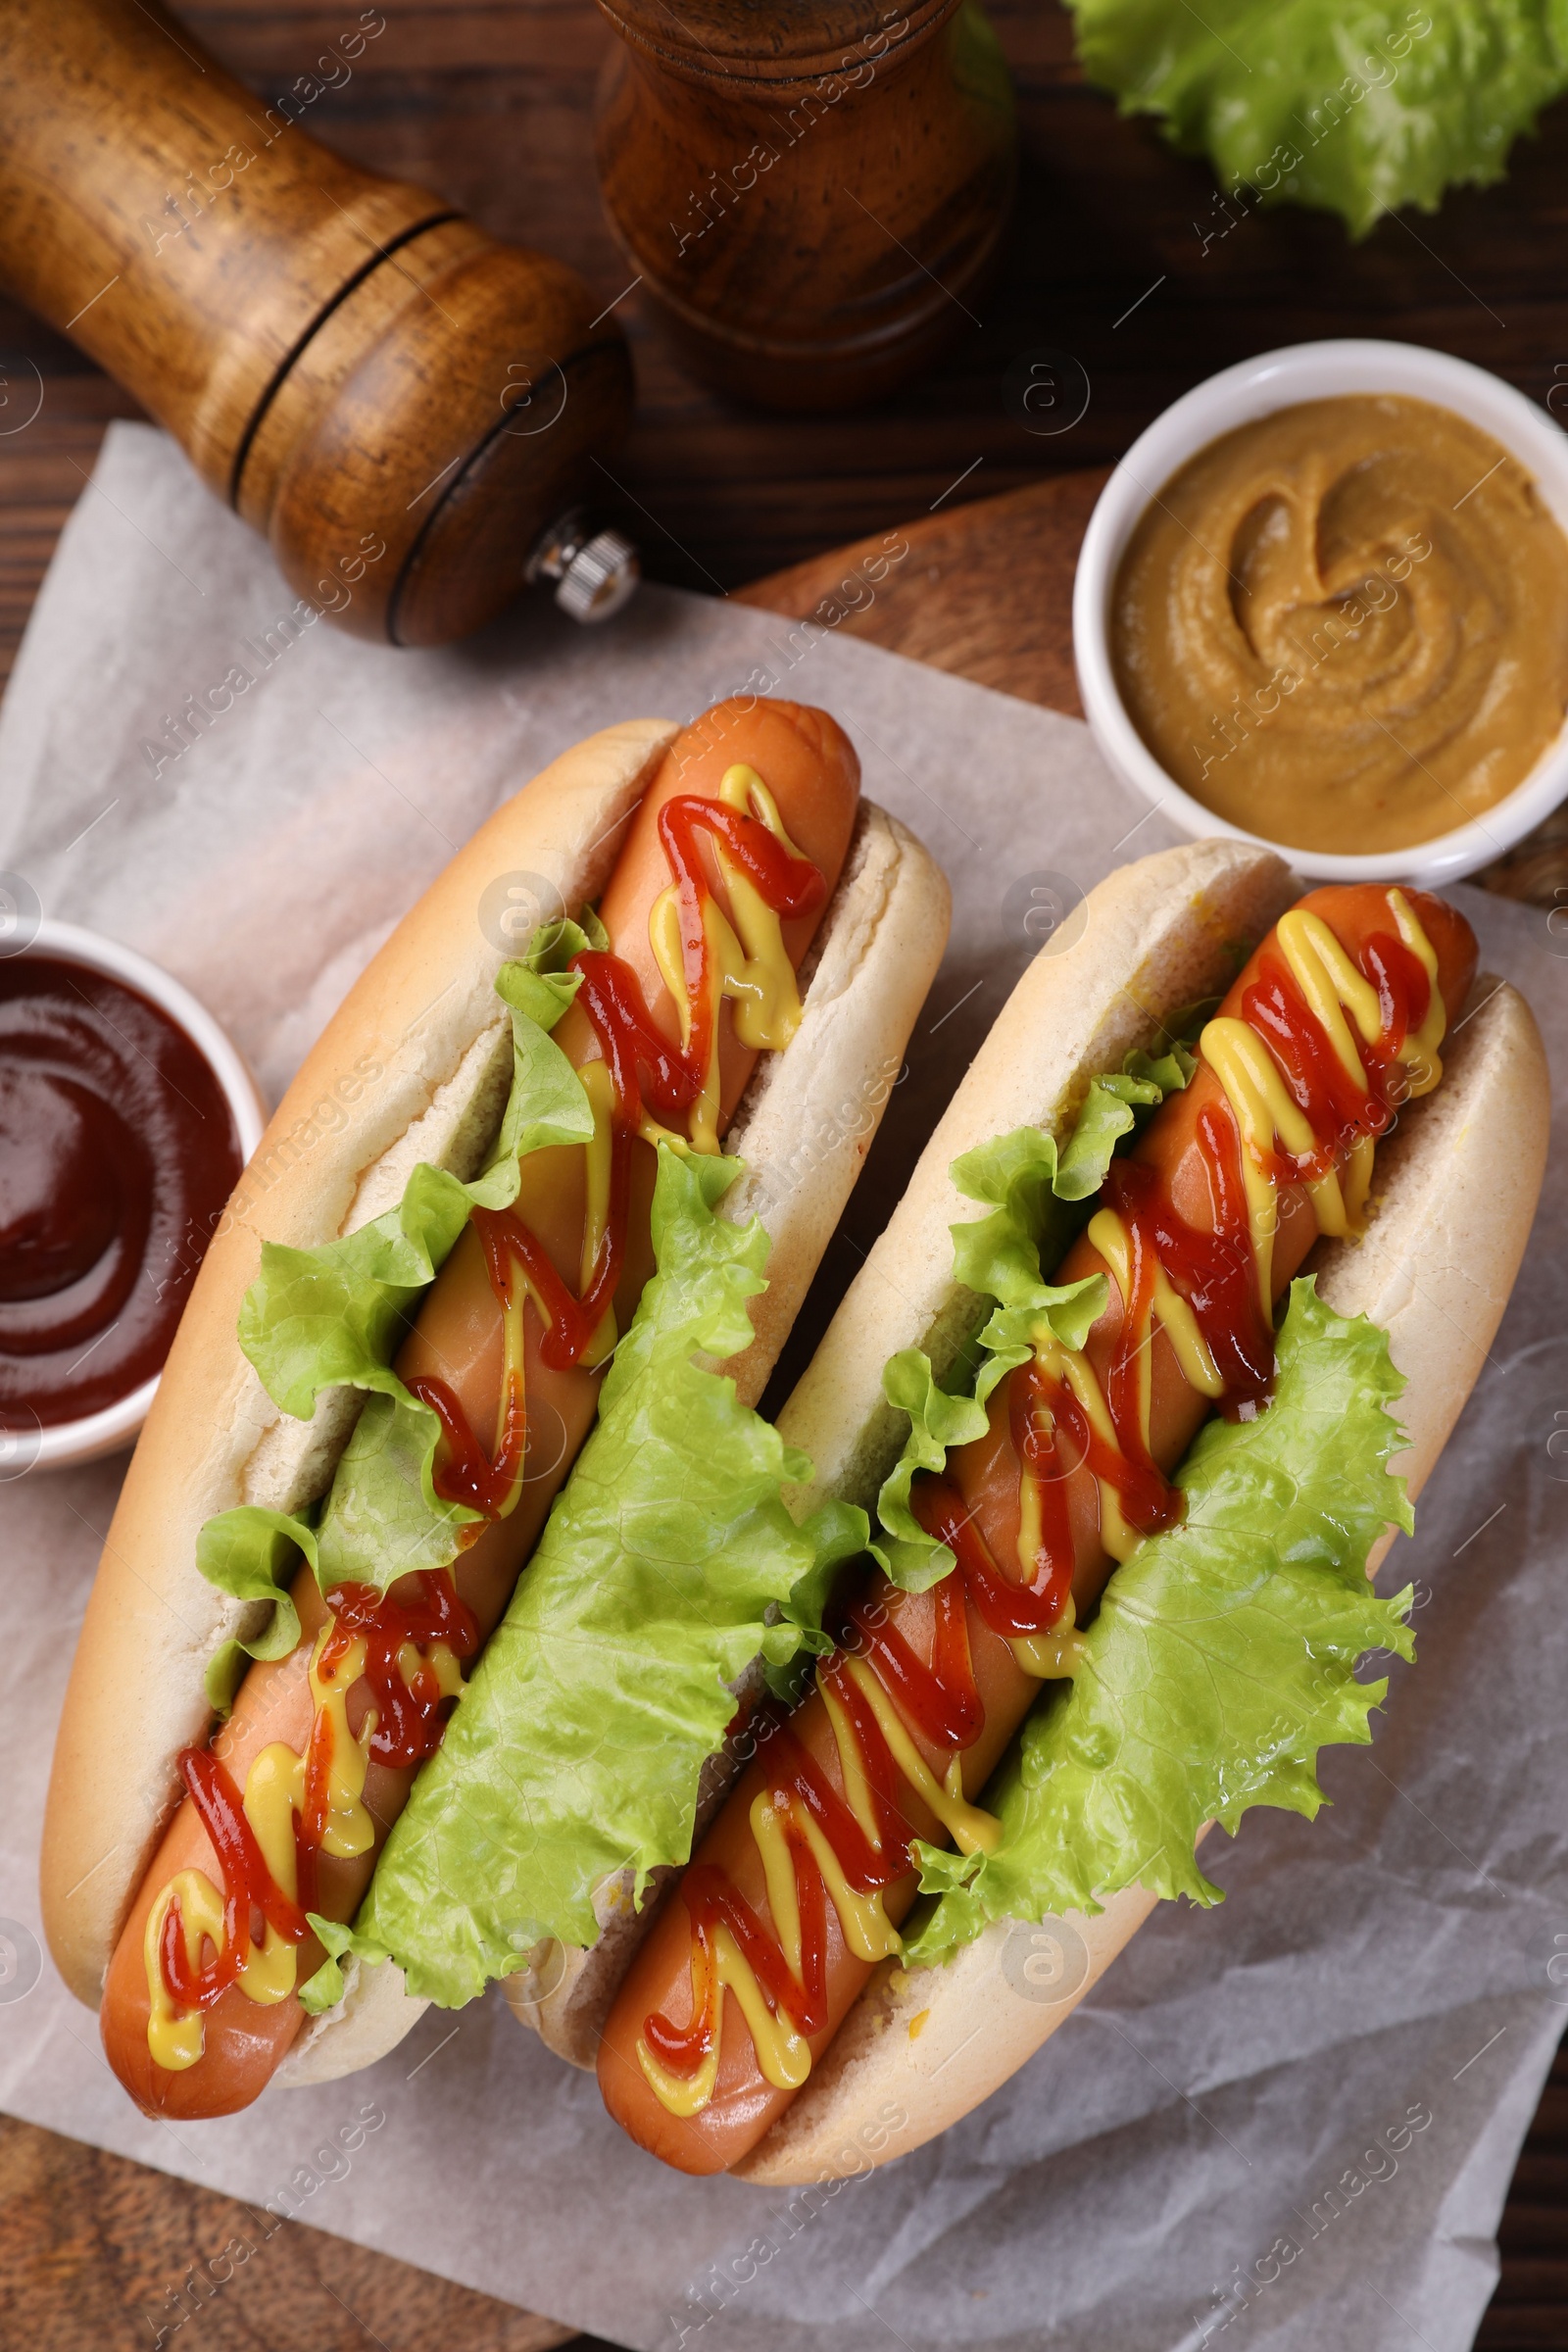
{"x": 1353, "y": 105}
{"x": 667, "y": 1563}
{"x": 1223, "y": 1658}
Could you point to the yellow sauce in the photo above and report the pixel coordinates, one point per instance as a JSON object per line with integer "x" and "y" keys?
{"x": 1419, "y": 1051}
{"x": 867, "y": 1931}
{"x": 972, "y": 1831}
{"x": 1053, "y": 1657}
{"x": 1071, "y": 1368}
{"x": 1345, "y": 626}
{"x": 273, "y": 1801}
{"x": 783, "y": 2055}
{"x": 600, "y": 1154}
{"x": 754, "y": 970}
{"x": 1267, "y": 1118}
{"x": 176, "y": 2036}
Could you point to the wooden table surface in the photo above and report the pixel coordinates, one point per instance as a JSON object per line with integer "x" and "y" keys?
{"x": 1117, "y": 258}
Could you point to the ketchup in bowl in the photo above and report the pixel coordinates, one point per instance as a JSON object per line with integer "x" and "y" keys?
{"x": 117, "y": 1152}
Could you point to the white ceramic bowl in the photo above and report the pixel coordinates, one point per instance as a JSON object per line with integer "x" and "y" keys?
{"x": 106, "y": 1432}
{"x": 1255, "y": 388}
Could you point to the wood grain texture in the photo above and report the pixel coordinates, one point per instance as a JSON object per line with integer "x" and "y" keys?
{"x": 1528, "y": 2312}
{"x": 492, "y": 106}
{"x": 984, "y": 591}
{"x": 97, "y": 2252}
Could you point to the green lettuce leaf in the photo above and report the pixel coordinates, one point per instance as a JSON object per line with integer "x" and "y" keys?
{"x": 667, "y": 1563}
{"x": 334, "y": 1317}
{"x": 331, "y": 1317}
{"x": 1223, "y": 1657}
{"x": 839, "y": 1533}
{"x": 251, "y": 1554}
{"x": 1032, "y": 1191}
{"x": 937, "y": 1420}
{"x": 1351, "y": 106}
{"x": 325, "y": 1988}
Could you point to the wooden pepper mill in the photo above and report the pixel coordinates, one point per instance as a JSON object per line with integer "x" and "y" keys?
{"x": 811, "y": 191}
{"x": 348, "y": 362}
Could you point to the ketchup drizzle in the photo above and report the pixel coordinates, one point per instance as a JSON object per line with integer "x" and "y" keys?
{"x": 941, "y": 1701}
{"x": 248, "y": 1886}
{"x": 463, "y": 1471}
{"x": 644, "y": 1065}
{"x": 1011, "y": 1609}
{"x": 791, "y": 886}
{"x": 410, "y": 1722}
{"x": 1212, "y": 1271}
{"x": 407, "y": 1725}
{"x": 711, "y": 1899}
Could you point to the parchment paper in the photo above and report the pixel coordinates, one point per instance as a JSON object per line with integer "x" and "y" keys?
{"x": 1191, "y": 2155}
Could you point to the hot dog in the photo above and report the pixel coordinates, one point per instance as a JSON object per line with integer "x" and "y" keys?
{"x": 728, "y": 2019}
{"x": 720, "y": 858}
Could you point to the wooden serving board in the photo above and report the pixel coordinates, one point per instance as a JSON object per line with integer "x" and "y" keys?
{"x": 984, "y": 590}
{"x": 98, "y": 2253}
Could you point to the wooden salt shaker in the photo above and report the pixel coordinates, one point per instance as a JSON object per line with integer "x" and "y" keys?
{"x": 403, "y": 406}
{"x": 811, "y": 191}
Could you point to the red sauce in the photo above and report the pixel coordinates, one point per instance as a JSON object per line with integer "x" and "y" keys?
{"x": 463, "y": 1471}
{"x": 1214, "y": 1272}
{"x": 1037, "y": 1406}
{"x": 644, "y": 1066}
{"x": 1052, "y": 1437}
{"x": 791, "y": 886}
{"x": 117, "y": 1152}
{"x": 942, "y": 1701}
{"x": 1011, "y": 1610}
{"x": 710, "y": 1898}
{"x": 408, "y": 1720}
{"x": 1334, "y": 1107}
{"x": 249, "y": 1887}
{"x": 411, "y": 1718}
{"x": 634, "y": 1048}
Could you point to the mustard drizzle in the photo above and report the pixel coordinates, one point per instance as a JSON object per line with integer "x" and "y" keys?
{"x": 754, "y": 970}
{"x": 1268, "y": 1119}
{"x": 275, "y": 1795}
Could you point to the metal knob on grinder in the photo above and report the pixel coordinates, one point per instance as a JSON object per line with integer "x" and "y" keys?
{"x": 595, "y": 571}
{"x": 402, "y": 404}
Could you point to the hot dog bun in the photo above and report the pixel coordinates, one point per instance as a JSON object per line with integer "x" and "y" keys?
{"x": 415, "y": 1066}
{"x": 1451, "y": 1217}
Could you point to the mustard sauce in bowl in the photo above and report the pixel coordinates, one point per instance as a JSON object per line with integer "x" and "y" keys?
{"x": 1344, "y": 626}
